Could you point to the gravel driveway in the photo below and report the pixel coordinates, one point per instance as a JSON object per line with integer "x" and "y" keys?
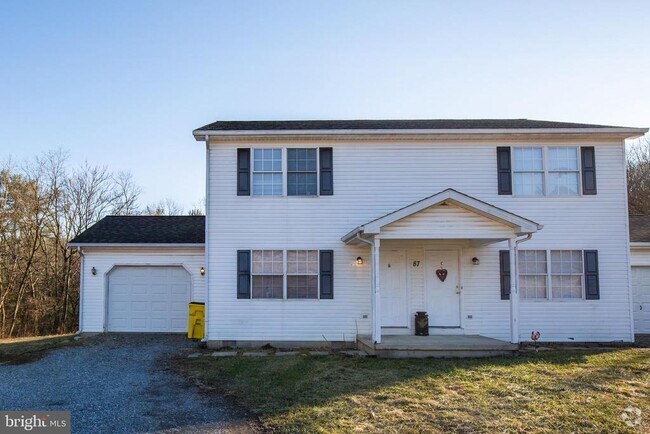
{"x": 119, "y": 384}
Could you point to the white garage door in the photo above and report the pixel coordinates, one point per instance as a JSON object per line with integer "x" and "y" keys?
{"x": 641, "y": 299}
{"x": 148, "y": 299}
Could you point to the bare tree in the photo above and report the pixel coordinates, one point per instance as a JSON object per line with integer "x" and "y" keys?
{"x": 42, "y": 206}
{"x": 638, "y": 177}
{"x": 164, "y": 207}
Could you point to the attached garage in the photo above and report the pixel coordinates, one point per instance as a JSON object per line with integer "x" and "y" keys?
{"x": 138, "y": 273}
{"x": 641, "y": 299}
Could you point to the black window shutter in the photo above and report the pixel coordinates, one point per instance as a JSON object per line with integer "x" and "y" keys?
{"x": 588, "y": 160}
{"x": 243, "y": 274}
{"x": 243, "y": 172}
{"x": 327, "y": 274}
{"x": 504, "y": 269}
{"x": 326, "y": 171}
{"x": 592, "y": 288}
{"x": 504, "y": 170}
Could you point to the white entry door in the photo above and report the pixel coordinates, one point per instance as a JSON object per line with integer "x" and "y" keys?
{"x": 148, "y": 299}
{"x": 442, "y": 296}
{"x": 392, "y": 286}
{"x": 641, "y": 299}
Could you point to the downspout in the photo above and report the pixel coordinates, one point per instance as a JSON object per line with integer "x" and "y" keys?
{"x": 206, "y": 254}
{"x": 373, "y": 292}
{"x": 81, "y": 289}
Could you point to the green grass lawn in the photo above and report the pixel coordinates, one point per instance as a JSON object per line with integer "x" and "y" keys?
{"x": 549, "y": 392}
{"x": 23, "y": 350}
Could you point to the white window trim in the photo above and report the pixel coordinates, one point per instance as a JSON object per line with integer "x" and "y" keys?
{"x": 285, "y": 173}
{"x": 549, "y": 280}
{"x": 285, "y": 273}
{"x": 545, "y": 172}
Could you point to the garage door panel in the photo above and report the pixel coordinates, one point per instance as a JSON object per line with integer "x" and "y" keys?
{"x": 148, "y": 299}
{"x": 641, "y": 299}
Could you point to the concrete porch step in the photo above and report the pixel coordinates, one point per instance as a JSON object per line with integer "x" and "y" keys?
{"x": 442, "y": 346}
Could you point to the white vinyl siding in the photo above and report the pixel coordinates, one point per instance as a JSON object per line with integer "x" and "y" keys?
{"x": 373, "y": 178}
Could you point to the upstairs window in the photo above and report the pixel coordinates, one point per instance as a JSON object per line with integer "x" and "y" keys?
{"x": 563, "y": 171}
{"x": 267, "y": 172}
{"x": 552, "y": 171}
{"x": 528, "y": 171}
{"x": 302, "y": 172}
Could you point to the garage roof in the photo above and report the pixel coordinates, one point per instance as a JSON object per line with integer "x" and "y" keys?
{"x": 144, "y": 230}
{"x": 640, "y": 228}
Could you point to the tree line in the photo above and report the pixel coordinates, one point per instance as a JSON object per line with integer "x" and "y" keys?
{"x": 44, "y": 203}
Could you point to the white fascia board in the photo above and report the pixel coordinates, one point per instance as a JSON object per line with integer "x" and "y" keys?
{"x": 639, "y": 245}
{"x": 629, "y": 133}
{"x": 138, "y": 245}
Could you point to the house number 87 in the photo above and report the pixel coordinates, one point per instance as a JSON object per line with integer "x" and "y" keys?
{"x": 416, "y": 263}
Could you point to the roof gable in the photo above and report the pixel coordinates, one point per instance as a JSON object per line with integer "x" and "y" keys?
{"x": 520, "y": 225}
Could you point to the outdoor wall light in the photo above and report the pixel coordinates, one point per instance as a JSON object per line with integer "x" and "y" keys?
{"x": 475, "y": 261}
{"x": 94, "y": 271}
{"x": 202, "y": 271}
{"x": 359, "y": 260}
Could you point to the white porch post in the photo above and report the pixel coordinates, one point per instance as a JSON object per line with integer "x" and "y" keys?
{"x": 514, "y": 293}
{"x": 376, "y": 305}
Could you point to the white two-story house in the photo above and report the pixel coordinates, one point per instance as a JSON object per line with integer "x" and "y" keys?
{"x": 319, "y": 232}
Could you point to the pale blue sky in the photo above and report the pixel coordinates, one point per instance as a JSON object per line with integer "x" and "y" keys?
{"x": 123, "y": 83}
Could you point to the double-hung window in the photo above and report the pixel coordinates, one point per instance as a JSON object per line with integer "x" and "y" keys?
{"x": 528, "y": 171}
{"x": 302, "y": 274}
{"x": 279, "y": 275}
{"x": 563, "y": 171}
{"x": 302, "y": 172}
{"x": 566, "y": 274}
{"x": 563, "y": 280}
{"x": 268, "y": 274}
{"x": 533, "y": 274}
{"x": 552, "y": 171}
{"x": 267, "y": 172}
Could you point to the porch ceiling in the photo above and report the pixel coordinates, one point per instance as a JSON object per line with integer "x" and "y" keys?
{"x": 509, "y": 224}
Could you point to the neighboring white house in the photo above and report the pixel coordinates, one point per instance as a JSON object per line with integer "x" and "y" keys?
{"x": 321, "y": 231}
{"x": 640, "y": 261}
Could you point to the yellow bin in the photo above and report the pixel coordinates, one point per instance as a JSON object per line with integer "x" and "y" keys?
{"x": 196, "y": 320}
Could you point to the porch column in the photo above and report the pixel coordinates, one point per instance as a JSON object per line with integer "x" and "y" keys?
{"x": 376, "y": 305}
{"x": 514, "y": 293}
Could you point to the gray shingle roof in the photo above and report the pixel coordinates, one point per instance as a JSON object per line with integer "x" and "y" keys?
{"x": 145, "y": 229}
{"x": 640, "y": 228}
{"x": 413, "y": 124}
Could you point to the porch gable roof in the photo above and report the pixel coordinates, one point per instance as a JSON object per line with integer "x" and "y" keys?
{"x": 519, "y": 224}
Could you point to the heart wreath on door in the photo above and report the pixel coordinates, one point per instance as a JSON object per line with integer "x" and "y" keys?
{"x": 441, "y": 273}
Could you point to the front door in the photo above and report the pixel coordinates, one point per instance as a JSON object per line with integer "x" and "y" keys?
{"x": 392, "y": 287}
{"x": 442, "y": 290}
